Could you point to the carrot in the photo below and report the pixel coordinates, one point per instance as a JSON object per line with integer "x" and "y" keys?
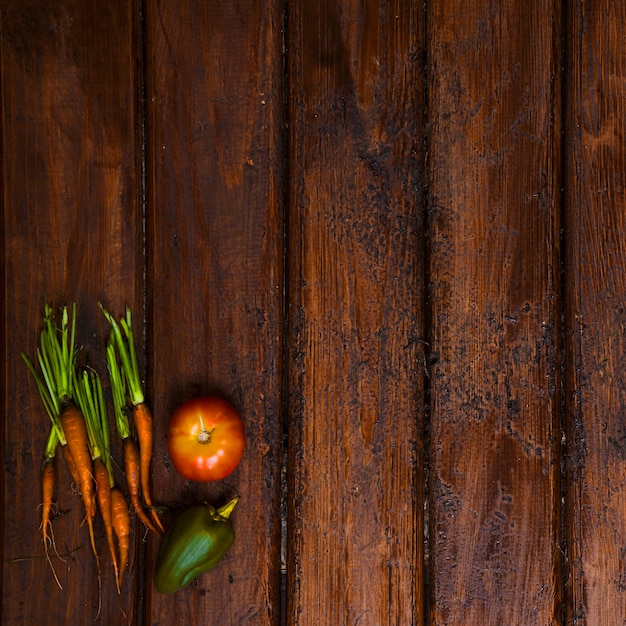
{"x": 48, "y": 480}
{"x": 57, "y": 361}
{"x": 91, "y": 401}
{"x": 120, "y": 518}
{"x": 132, "y": 470}
{"x": 67, "y": 455}
{"x": 52, "y": 406}
{"x": 103, "y": 493}
{"x": 132, "y": 466}
{"x": 125, "y": 377}
{"x": 142, "y": 418}
{"x": 75, "y": 430}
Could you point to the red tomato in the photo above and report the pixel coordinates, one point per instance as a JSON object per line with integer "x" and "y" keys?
{"x": 206, "y": 438}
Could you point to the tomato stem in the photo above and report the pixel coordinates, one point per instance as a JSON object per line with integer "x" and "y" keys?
{"x": 204, "y": 436}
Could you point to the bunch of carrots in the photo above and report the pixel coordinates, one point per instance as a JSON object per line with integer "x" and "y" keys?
{"x": 73, "y": 398}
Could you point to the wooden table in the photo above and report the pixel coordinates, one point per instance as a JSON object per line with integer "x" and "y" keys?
{"x": 392, "y": 234}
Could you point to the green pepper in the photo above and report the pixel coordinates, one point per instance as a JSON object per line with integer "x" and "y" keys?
{"x": 195, "y": 542}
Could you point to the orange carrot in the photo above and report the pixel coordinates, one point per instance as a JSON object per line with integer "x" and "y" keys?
{"x": 75, "y": 431}
{"x": 48, "y": 480}
{"x": 90, "y": 396}
{"x": 120, "y": 518}
{"x": 57, "y": 362}
{"x": 47, "y": 484}
{"x": 132, "y": 469}
{"x": 67, "y": 455}
{"x": 47, "y": 487}
{"x": 103, "y": 493}
{"x": 143, "y": 425}
{"x": 48, "y": 475}
{"x": 126, "y": 375}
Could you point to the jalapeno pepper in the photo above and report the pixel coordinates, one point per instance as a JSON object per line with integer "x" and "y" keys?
{"x": 196, "y": 541}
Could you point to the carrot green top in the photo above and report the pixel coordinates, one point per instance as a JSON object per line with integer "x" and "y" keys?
{"x": 57, "y": 361}
{"x": 122, "y": 338}
{"x": 90, "y": 398}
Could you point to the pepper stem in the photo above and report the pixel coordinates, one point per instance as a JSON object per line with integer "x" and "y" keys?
{"x": 226, "y": 509}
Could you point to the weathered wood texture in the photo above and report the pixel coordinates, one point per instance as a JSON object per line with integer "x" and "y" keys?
{"x": 71, "y": 224}
{"x": 346, "y": 218}
{"x": 494, "y": 279}
{"x": 215, "y": 250}
{"x": 595, "y": 290}
{"x": 355, "y": 292}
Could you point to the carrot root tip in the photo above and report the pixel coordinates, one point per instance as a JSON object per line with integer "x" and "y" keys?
{"x": 49, "y": 541}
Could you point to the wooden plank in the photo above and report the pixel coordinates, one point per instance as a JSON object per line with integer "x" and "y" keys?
{"x": 494, "y": 167}
{"x": 71, "y": 233}
{"x": 355, "y": 296}
{"x": 215, "y": 240}
{"x": 595, "y": 290}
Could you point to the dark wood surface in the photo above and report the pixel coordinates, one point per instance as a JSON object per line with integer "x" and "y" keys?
{"x": 72, "y": 223}
{"x": 595, "y": 316}
{"x": 495, "y": 276}
{"x": 392, "y": 234}
{"x": 355, "y": 246}
{"x": 215, "y": 274}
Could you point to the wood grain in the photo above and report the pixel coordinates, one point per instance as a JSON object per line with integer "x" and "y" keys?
{"x": 494, "y": 278}
{"x": 71, "y": 227}
{"x": 595, "y": 314}
{"x": 215, "y": 249}
{"x": 355, "y": 259}
{"x": 346, "y": 218}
